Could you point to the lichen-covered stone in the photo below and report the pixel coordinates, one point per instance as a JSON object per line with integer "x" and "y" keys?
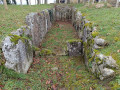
{"x": 99, "y": 41}
{"x": 39, "y": 24}
{"x": 63, "y": 12}
{"x": 106, "y": 73}
{"x": 102, "y": 66}
{"x": 18, "y": 53}
{"x": 74, "y": 47}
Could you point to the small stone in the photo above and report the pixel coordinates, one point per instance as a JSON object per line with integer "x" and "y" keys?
{"x": 109, "y": 61}
{"x": 106, "y": 73}
{"x": 54, "y": 68}
{"x": 118, "y": 51}
{"x": 99, "y": 41}
{"x": 99, "y": 5}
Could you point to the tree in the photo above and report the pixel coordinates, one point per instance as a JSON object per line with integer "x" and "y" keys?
{"x": 14, "y": 1}
{"x": 39, "y": 2}
{"x": 93, "y": 2}
{"x": 88, "y": 2}
{"x": 68, "y": 1}
{"x": 5, "y": 4}
{"x": 35, "y": 2}
{"x": 45, "y": 1}
{"x": 8, "y": 1}
{"x": 78, "y": 1}
{"x": 21, "y": 2}
{"x": 27, "y": 2}
{"x": 99, "y": 1}
{"x": 57, "y": 1}
{"x": 117, "y": 3}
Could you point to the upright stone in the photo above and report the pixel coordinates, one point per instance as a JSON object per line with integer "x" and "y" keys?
{"x": 18, "y": 52}
{"x": 74, "y": 47}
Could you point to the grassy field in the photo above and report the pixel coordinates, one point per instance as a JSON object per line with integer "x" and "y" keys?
{"x": 14, "y": 18}
{"x": 107, "y": 21}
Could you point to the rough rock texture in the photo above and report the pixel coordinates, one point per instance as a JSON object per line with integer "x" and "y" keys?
{"x": 102, "y": 66}
{"x": 18, "y": 56}
{"x": 99, "y": 64}
{"x": 99, "y": 42}
{"x": 74, "y": 48}
{"x": 63, "y": 12}
{"x": 39, "y": 24}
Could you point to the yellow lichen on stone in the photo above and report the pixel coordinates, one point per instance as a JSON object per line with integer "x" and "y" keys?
{"x": 94, "y": 34}
{"x": 16, "y": 38}
{"x": 89, "y": 24}
{"x": 35, "y": 48}
{"x": 74, "y": 40}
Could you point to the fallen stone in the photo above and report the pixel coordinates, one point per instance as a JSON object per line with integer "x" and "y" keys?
{"x": 99, "y": 41}
{"x": 106, "y": 73}
{"x": 109, "y": 61}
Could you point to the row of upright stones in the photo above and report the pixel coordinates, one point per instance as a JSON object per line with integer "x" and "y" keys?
{"x": 18, "y": 46}
{"x": 100, "y": 65}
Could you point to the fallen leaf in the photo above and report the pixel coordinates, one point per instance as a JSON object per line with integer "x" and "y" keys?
{"x": 54, "y": 87}
{"x": 118, "y": 51}
{"x": 49, "y": 82}
{"x": 91, "y": 88}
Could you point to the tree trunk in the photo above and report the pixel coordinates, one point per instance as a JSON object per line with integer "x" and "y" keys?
{"x": 27, "y": 2}
{"x": 35, "y": 2}
{"x": 105, "y": 1}
{"x": 99, "y": 1}
{"x": 78, "y": 1}
{"x": 68, "y": 1}
{"x": 8, "y": 1}
{"x": 117, "y": 3}
{"x": 88, "y": 2}
{"x": 5, "y": 4}
{"x": 93, "y": 2}
{"x": 14, "y": 1}
{"x": 57, "y": 1}
{"x": 45, "y": 1}
{"x": 21, "y": 2}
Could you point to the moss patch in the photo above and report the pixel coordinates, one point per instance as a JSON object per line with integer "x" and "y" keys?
{"x": 46, "y": 52}
{"x": 74, "y": 40}
{"x": 94, "y": 34}
{"x": 16, "y": 38}
{"x": 89, "y": 24}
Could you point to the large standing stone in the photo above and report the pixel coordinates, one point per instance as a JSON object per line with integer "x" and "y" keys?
{"x": 39, "y": 24}
{"x": 18, "y": 53}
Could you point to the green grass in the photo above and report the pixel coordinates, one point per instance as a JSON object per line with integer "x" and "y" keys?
{"x": 71, "y": 73}
{"x": 14, "y": 17}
